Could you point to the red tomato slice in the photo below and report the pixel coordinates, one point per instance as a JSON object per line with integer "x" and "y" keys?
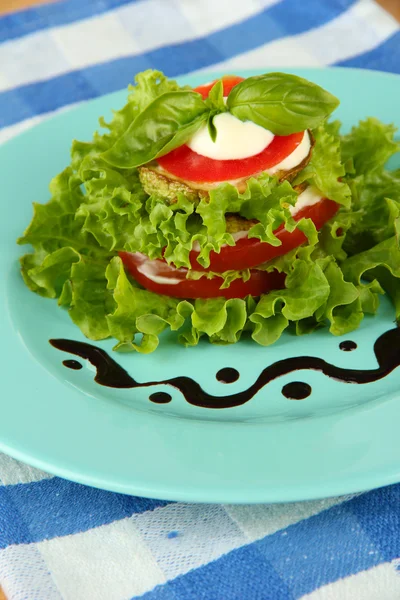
{"x": 229, "y": 82}
{"x": 190, "y": 166}
{"x": 251, "y": 252}
{"x": 140, "y": 267}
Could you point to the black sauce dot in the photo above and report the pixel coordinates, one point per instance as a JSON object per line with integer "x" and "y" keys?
{"x": 72, "y": 364}
{"x": 227, "y": 375}
{"x": 296, "y": 390}
{"x": 347, "y": 346}
{"x": 160, "y": 398}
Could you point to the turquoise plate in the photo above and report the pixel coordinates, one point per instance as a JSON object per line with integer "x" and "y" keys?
{"x": 341, "y": 438}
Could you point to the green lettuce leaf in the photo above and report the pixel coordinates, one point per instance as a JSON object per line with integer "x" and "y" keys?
{"x": 90, "y": 301}
{"x": 46, "y": 273}
{"x": 55, "y": 225}
{"x": 139, "y": 311}
{"x": 369, "y": 145}
{"x": 129, "y": 220}
{"x": 375, "y": 191}
{"x": 325, "y": 169}
{"x": 377, "y": 197}
{"x": 227, "y": 277}
{"x": 379, "y": 264}
{"x": 104, "y": 301}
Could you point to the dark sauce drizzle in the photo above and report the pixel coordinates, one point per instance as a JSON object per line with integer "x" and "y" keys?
{"x": 72, "y": 364}
{"x": 227, "y": 375}
{"x": 348, "y": 346}
{"x": 160, "y": 398}
{"x": 296, "y": 390}
{"x": 109, "y": 373}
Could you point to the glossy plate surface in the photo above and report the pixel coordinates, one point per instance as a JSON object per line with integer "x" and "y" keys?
{"x": 342, "y": 438}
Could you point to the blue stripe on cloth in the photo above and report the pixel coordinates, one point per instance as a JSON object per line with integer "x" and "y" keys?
{"x": 56, "y": 507}
{"x": 378, "y": 514}
{"x": 385, "y": 57}
{"x": 174, "y": 60}
{"x": 37, "y": 98}
{"x": 338, "y": 542}
{"x": 28, "y": 21}
{"x": 12, "y": 528}
{"x": 321, "y": 549}
{"x": 247, "y": 576}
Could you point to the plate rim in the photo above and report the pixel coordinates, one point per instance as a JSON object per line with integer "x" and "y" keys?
{"x": 364, "y": 482}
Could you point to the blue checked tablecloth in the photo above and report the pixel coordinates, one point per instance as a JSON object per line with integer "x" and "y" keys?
{"x": 63, "y": 540}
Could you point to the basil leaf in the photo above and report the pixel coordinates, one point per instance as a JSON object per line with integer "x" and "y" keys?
{"x": 212, "y": 130}
{"x": 184, "y": 134}
{"x": 282, "y": 103}
{"x": 166, "y": 123}
{"x": 216, "y": 104}
{"x": 215, "y": 98}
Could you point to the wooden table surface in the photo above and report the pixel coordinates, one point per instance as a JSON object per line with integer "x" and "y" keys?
{"x": 7, "y": 6}
{"x": 392, "y": 6}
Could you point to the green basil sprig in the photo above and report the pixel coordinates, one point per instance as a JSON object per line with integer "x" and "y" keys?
{"x": 216, "y": 104}
{"x": 215, "y": 98}
{"x": 165, "y": 124}
{"x": 280, "y": 102}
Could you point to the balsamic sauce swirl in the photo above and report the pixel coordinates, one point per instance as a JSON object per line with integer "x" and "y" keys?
{"x": 110, "y": 373}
